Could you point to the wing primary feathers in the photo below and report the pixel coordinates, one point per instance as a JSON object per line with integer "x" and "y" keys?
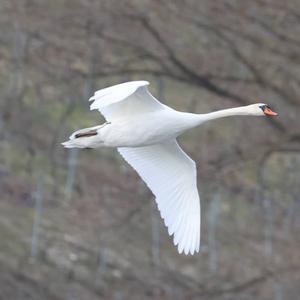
{"x": 125, "y": 100}
{"x": 176, "y": 196}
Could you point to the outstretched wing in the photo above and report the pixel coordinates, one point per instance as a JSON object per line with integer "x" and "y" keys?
{"x": 171, "y": 175}
{"x": 125, "y": 100}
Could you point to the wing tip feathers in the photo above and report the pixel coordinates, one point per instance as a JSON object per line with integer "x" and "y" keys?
{"x": 137, "y": 83}
{"x": 134, "y": 85}
{"x": 189, "y": 248}
{"x": 188, "y": 251}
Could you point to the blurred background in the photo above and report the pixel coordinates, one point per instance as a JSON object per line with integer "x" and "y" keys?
{"x": 81, "y": 224}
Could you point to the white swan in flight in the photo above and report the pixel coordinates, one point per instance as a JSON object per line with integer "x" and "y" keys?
{"x": 144, "y": 131}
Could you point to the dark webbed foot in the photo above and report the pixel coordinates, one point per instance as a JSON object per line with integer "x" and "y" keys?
{"x": 86, "y": 134}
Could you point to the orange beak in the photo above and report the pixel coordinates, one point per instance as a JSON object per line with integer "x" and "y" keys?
{"x": 269, "y": 112}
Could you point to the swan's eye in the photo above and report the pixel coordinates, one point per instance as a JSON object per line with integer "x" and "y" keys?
{"x": 262, "y": 107}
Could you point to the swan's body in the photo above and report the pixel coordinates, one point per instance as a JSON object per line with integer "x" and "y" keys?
{"x": 144, "y": 131}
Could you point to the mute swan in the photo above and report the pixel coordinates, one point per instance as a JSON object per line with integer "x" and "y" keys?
{"x": 144, "y": 131}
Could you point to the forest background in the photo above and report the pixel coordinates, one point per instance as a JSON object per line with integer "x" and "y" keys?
{"x": 81, "y": 224}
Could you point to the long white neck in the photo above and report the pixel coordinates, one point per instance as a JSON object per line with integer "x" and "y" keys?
{"x": 236, "y": 111}
{"x": 197, "y": 119}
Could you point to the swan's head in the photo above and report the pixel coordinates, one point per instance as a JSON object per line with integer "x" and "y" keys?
{"x": 261, "y": 109}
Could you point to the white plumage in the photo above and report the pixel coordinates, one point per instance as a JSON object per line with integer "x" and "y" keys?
{"x": 171, "y": 176}
{"x": 144, "y": 130}
{"x": 109, "y": 101}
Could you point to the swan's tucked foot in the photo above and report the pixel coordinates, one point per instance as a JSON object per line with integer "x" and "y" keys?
{"x": 86, "y": 134}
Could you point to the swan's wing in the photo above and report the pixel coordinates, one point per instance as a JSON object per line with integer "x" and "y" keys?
{"x": 171, "y": 176}
{"x": 125, "y": 100}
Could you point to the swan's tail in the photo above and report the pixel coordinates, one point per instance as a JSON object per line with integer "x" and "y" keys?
{"x": 73, "y": 144}
{"x": 85, "y": 138}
